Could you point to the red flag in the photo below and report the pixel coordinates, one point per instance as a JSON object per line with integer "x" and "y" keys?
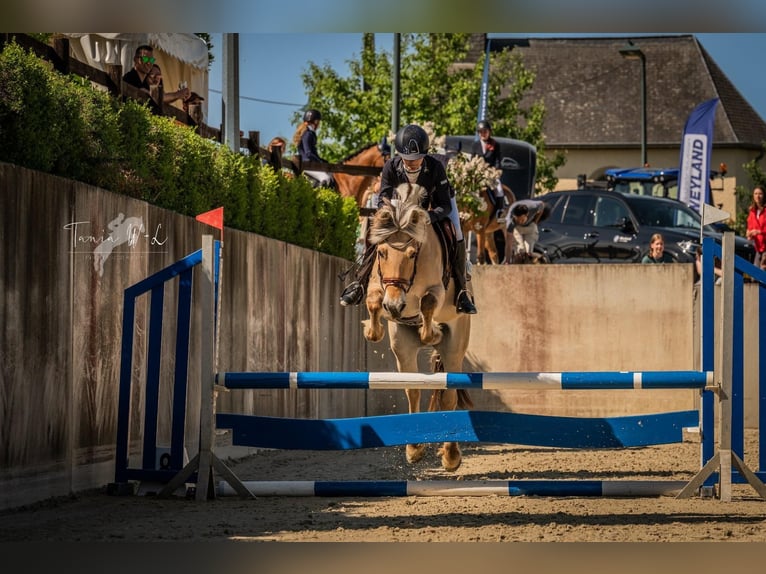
{"x": 213, "y": 217}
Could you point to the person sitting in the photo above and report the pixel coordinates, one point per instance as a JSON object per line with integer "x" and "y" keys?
{"x": 305, "y": 140}
{"x": 413, "y": 164}
{"x": 525, "y": 214}
{"x": 488, "y": 148}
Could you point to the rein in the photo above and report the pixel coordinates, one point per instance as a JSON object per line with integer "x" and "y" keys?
{"x": 400, "y": 282}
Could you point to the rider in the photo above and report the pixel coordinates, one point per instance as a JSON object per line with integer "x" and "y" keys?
{"x": 413, "y": 164}
{"x": 488, "y": 148}
{"x": 305, "y": 140}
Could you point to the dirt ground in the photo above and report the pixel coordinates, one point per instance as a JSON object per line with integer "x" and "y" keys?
{"x": 97, "y": 516}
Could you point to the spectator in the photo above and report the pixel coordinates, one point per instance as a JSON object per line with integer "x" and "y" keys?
{"x": 154, "y": 80}
{"x": 522, "y": 224}
{"x": 657, "y": 251}
{"x": 192, "y": 105}
{"x": 698, "y": 267}
{"x": 489, "y": 149}
{"x": 414, "y": 165}
{"x": 142, "y": 64}
{"x": 756, "y": 226}
{"x": 305, "y": 140}
{"x": 276, "y": 149}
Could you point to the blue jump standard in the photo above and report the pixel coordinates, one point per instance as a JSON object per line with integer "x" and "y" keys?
{"x": 495, "y": 381}
{"x": 460, "y": 426}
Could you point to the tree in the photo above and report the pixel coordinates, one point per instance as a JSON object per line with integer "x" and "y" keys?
{"x": 436, "y": 87}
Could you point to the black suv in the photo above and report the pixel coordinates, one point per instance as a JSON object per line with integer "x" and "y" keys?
{"x": 600, "y": 226}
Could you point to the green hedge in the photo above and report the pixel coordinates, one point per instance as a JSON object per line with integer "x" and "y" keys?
{"x": 62, "y": 125}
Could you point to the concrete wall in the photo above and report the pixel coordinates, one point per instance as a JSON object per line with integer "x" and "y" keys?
{"x": 61, "y": 320}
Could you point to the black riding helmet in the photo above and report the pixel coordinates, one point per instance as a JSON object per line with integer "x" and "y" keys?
{"x": 411, "y": 142}
{"x": 311, "y": 115}
{"x": 484, "y": 125}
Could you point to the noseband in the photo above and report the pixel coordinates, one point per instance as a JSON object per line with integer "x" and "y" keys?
{"x": 400, "y": 282}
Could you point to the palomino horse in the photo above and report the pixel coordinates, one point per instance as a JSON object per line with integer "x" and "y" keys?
{"x": 406, "y": 288}
{"x": 484, "y": 229}
{"x": 355, "y": 185}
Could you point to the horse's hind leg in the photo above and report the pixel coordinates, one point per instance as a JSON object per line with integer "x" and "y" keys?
{"x": 405, "y": 342}
{"x": 491, "y": 247}
{"x": 445, "y": 400}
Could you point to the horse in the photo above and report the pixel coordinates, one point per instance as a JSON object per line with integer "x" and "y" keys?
{"x": 406, "y": 287}
{"x": 356, "y": 185}
{"x": 484, "y": 228}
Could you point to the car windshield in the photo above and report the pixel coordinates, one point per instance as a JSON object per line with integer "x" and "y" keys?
{"x": 664, "y": 214}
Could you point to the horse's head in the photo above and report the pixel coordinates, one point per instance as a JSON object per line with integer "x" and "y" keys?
{"x": 399, "y": 229}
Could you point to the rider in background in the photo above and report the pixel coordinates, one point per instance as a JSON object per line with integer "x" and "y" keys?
{"x": 489, "y": 149}
{"x": 305, "y": 140}
{"x": 413, "y": 164}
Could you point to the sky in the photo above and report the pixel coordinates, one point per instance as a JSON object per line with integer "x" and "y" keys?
{"x": 271, "y": 66}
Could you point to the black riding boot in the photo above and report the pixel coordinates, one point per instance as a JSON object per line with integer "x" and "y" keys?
{"x": 463, "y": 300}
{"x": 354, "y": 291}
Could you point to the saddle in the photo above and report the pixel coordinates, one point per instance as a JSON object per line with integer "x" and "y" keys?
{"x": 445, "y": 231}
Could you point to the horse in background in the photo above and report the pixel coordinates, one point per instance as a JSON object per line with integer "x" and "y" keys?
{"x": 484, "y": 227}
{"x": 374, "y": 155}
{"x": 407, "y": 288}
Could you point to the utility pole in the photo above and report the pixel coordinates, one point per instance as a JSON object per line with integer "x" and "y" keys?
{"x": 230, "y": 96}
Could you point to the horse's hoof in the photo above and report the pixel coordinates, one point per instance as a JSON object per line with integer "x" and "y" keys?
{"x": 415, "y": 452}
{"x": 370, "y": 333}
{"x": 434, "y": 338}
{"x": 451, "y": 458}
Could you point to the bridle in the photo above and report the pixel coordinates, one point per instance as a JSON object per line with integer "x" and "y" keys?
{"x": 400, "y": 282}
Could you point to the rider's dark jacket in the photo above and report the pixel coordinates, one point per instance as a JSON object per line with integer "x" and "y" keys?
{"x": 308, "y": 146}
{"x": 432, "y": 176}
{"x": 491, "y": 154}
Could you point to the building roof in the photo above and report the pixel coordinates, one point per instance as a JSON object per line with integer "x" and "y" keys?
{"x": 592, "y": 94}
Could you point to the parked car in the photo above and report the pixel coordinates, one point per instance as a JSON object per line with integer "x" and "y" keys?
{"x": 600, "y": 226}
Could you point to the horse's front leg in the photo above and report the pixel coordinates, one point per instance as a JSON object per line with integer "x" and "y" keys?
{"x": 414, "y": 452}
{"x": 373, "y": 327}
{"x": 430, "y": 333}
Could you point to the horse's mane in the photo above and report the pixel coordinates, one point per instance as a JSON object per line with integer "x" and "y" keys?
{"x": 357, "y": 152}
{"x": 402, "y": 214}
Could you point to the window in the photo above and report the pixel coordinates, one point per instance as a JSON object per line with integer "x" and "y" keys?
{"x": 609, "y": 212}
{"x": 577, "y": 210}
